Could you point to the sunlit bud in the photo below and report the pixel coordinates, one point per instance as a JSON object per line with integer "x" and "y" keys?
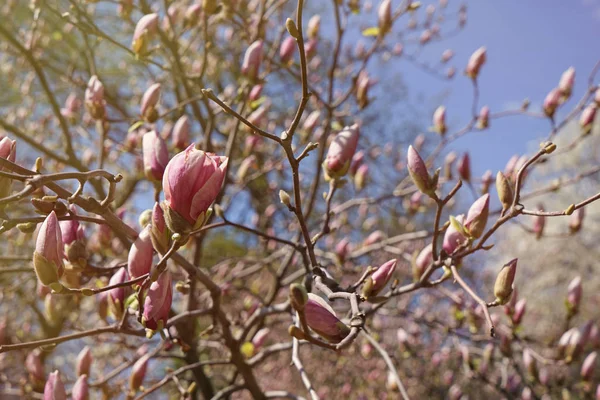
{"x": 439, "y": 120}
{"x": 519, "y": 312}
{"x": 48, "y": 254}
{"x": 419, "y": 174}
{"x": 84, "y": 362}
{"x": 486, "y": 181}
{"x": 384, "y": 14}
{"x": 464, "y": 167}
{"x": 574, "y": 345}
{"x": 477, "y": 216}
{"x": 191, "y": 183}
{"x": 475, "y": 63}
{"x": 181, "y": 133}
{"x": 139, "y": 261}
{"x": 483, "y": 120}
{"x": 155, "y": 156}
{"x": 314, "y": 25}
{"x": 564, "y": 341}
{"x": 340, "y": 153}
{"x": 422, "y": 261}
{"x": 94, "y": 98}
{"x": 530, "y": 363}
{"x": 453, "y": 237}
{"x": 425, "y": 36}
{"x": 252, "y": 60}
{"x": 34, "y": 366}
{"x": 450, "y": 72}
{"x": 362, "y": 89}
{"x": 260, "y": 338}
{"x": 298, "y": 296}
{"x": 374, "y": 237}
{"x": 447, "y": 55}
{"x": 503, "y": 287}
{"x": 287, "y": 49}
{"x": 255, "y": 92}
{"x": 455, "y": 392}
{"x": 588, "y": 366}
{"x": 361, "y": 176}
{"x": 311, "y": 121}
{"x": 586, "y": 121}
{"x": 539, "y": 222}
{"x": 576, "y": 220}
{"x": 144, "y": 30}
{"x": 321, "y": 318}
{"x": 567, "y": 80}
{"x": 160, "y": 234}
{"x": 551, "y": 102}
{"x": 116, "y": 296}
{"x": 574, "y": 293}
{"x": 138, "y": 372}
{"x": 149, "y": 102}
{"x": 157, "y": 303}
{"x": 55, "y": 388}
{"x": 448, "y": 162}
{"x": 377, "y": 281}
{"x": 284, "y": 198}
{"x": 81, "y": 389}
{"x": 504, "y": 190}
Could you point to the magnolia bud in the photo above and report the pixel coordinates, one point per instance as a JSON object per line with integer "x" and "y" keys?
{"x": 587, "y": 368}
{"x": 576, "y": 220}
{"x": 48, "y": 254}
{"x": 448, "y": 162}
{"x": 539, "y": 222}
{"x": 454, "y": 236}
{"x": 477, "y": 216}
{"x": 384, "y": 14}
{"x": 181, "y": 133}
{"x": 139, "y": 261}
{"x": 551, "y": 102}
{"x": 284, "y": 197}
{"x": 486, "y": 181}
{"x": 361, "y": 176}
{"x": 439, "y": 120}
{"x": 377, "y": 281}
{"x": 260, "y": 337}
{"x": 314, "y": 25}
{"x": 252, "y": 60}
{"x": 55, "y": 388}
{"x": 144, "y": 30}
{"x": 530, "y": 363}
{"x": 422, "y": 262}
{"x": 138, "y": 372}
{"x": 116, "y": 296}
{"x": 447, "y": 55}
{"x": 84, "y": 362}
{"x": 419, "y": 174}
{"x": 574, "y": 294}
{"x": 94, "y": 98}
{"x": 483, "y": 121}
{"x": 149, "y": 102}
{"x": 586, "y": 121}
{"x": 81, "y": 389}
{"x": 503, "y": 287}
{"x": 321, "y": 318}
{"x": 475, "y": 63}
{"x": 340, "y": 153}
{"x": 298, "y": 296}
{"x": 504, "y": 190}
{"x": 566, "y": 83}
{"x": 464, "y": 167}
{"x": 519, "y": 312}
{"x": 155, "y": 156}
{"x": 287, "y": 49}
{"x": 160, "y": 234}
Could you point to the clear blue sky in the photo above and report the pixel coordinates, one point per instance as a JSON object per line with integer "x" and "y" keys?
{"x": 530, "y": 43}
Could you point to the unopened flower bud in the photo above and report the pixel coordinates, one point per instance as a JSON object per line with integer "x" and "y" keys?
{"x": 483, "y": 120}
{"x": 539, "y": 222}
{"x": 447, "y": 55}
{"x": 252, "y": 60}
{"x": 81, "y": 389}
{"x": 287, "y": 49}
{"x": 340, "y": 153}
{"x": 321, "y": 318}
{"x": 576, "y": 220}
{"x": 454, "y": 236}
{"x": 422, "y": 262}
{"x": 486, "y": 181}
{"x": 519, "y": 312}
{"x": 377, "y": 281}
{"x": 574, "y": 294}
{"x": 530, "y": 363}
{"x": 588, "y": 366}
{"x": 503, "y": 287}
{"x": 384, "y": 14}
{"x": 55, "y": 388}
{"x": 439, "y": 120}
{"x": 298, "y": 296}
{"x": 504, "y": 190}
{"x": 143, "y": 33}
{"x": 138, "y": 373}
{"x": 551, "y": 102}
{"x": 157, "y": 303}
{"x": 464, "y": 167}
{"x": 84, "y": 362}
{"x": 314, "y": 25}
{"x": 116, "y": 296}
{"x": 149, "y": 103}
{"x": 48, "y": 254}
{"x": 181, "y": 133}
{"x": 586, "y": 121}
{"x": 139, "y": 261}
{"x": 419, "y": 174}
{"x": 155, "y": 156}
{"x": 361, "y": 176}
{"x": 475, "y": 63}
{"x": 94, "y": 98}
{"x": 477, "y": 216}
{"x": 567, "y": 80}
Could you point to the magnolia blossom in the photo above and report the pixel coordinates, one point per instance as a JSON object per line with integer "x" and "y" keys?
{"x": 116, "y": 296}
{"x": 418, "y": 172}
{"x": 84, "y": 362}
{"x": 422, "y": 262}
{"x": 181, "y": 133}
{"x": 340, "y": 153}
{"x": 567, "y": 80}
{"x": 384, "y": 14}
{"x": 453, "y": 238}
{"x": 81, "y": 389}
{"x": 586, "y": 120}
{"x": 94, "y": 98}
{"x": 477, "y": 216}
{"x": 551, "y": 102}
{"x": 464, "y": 167}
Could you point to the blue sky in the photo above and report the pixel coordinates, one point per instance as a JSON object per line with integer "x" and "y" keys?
{"x": 529, "y": 44}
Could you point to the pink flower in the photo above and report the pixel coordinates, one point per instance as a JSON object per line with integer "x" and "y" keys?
{"x": 287, "y": 49}
{"x": 477, "y": 216}
{"x": 376, "y": 282}
{"x": 475, "y": 63}
{"x": 181, "y": 133}
{"x": 453, "y": 238}
{"x": 48, "y": 254}
{"x": 145, "y": 28}
{"x": 464, "y": 167}
{"x": 439, "y": 120}
{"x": 140, "y": 256}
{"x": 155, "y": 156}
{"x": 158, "y": 229}
{"x": 81, "y": 390}
{"x": 157, "y": 303}
{"x": 55, "y": 388}
{"x": 252, "y": 60}
{"x": 255, "y": 92}
{"x": 567, "y": 80}
{"x": 84, "y": 362}
{"x": 321, "y": 318}
{"x": 192, "y": 181}
{"x": 342, "y": 249}
{"x": 340, "y": 153}
{"x": 116, "y": 296}
{"x": 551, "y": 102}
{"x": 149, "y": 102}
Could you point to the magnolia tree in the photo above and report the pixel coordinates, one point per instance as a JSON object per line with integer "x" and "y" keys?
{"x": 196, "y": 203}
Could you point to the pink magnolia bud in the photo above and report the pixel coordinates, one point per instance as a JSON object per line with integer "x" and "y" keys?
{"x": 503, "y": 287}
{"x": 374, "y": 237}
{"x": 574, "y": 345}
{"x": 55, "y": 388}
{"x": 94, "y": 98}
{"x": 255, "y": 92}
{"x": 252, "y": 60}
{"x": 311, "y": 121}
{"x": 287, "y": 49}
{"x": 477, "y": 216}
{"x": 81, "y": 389}
{"x": 483, "y": 121}
{"x": 529, "y": 363}
{"x": 144, "y": 30}
{"x": 191, "y": 183}
{"x": 116, "y": 296}
{"x": 84, "y": 362}
{"x": 486, "y": 181}
{"x": 455, "y": 392}
{"x": 48, "y": 254}
{"x": 419, "y": 174}
{"x": 574, "y": 294}
{"x": 376, "y": 282}
{"x": 464, "y": 167}
{"x": 422, "y": 262}
{"x": 72, "y": 106}
{"x": 342, "y": 249}
{"x": 140, "y": 256}
{"x": 321, "y": 318}
{"x": 149, "y": 102}
{"x": 586, "y": 121}
{"x": 448, "y": 162}
{"x": 34, "y": 366}
{"x": 181, "y": 133}
{"x": 314, "y": 25}
{"x": 158, "y": 229}
{"x": 157, "y": 303}
{"x": 340, "y": 153}
{"x": 425, "y": 36}
{"x": 155, "y": 155}
{"x": 8, "y": 151}
{"x": 398, "y": 49}
{"x": 361, "y": 176}
{"x": 419, "y": 142}
{"x": 357, "y": 161}
{"x": 363, "y": 83}
{"x": 567, "y": 80}
{"x": 453, "y": 238}
{"x": 450, "y": 72}
{"x": 475, "y": 63}
{"x": 551, "y": 102}
{"x": 384, "y": 14}
{"x": 539, "y": 222}
{"x": 138, "y": 372}
{"x": 439, "y": 120}
{"x": 576, "y": 220}
{"x": 587, "y": 368}
{"x": 260, "y": 337}
{"x": 447, "y": 55}
{"x": 520, "y": 308}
